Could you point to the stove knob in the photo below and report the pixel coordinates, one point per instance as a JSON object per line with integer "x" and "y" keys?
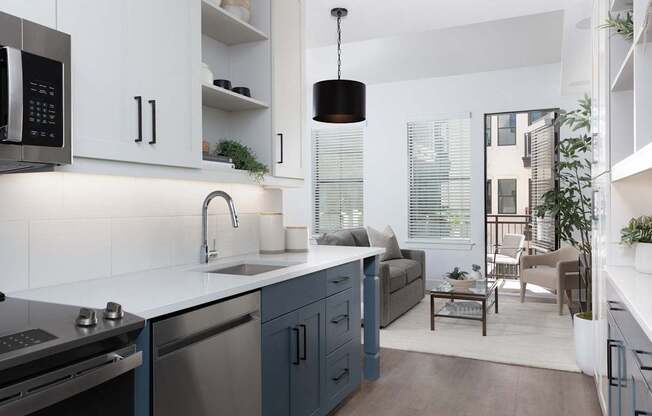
{"x": 113, "y": 311}
{"x": 87, "y": 317}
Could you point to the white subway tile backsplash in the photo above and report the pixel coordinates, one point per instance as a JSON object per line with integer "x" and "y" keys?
{"x": 61, "y": 227}
{"x": 13, "y": 256}
{"x": 141, "y": 243}
{"x": 62, "y": 251}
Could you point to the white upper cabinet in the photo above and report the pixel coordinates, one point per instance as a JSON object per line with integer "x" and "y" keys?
{"x": 128, "y": 54}
{"x": 43, "y": 12}
{"x": 287, "y": 88}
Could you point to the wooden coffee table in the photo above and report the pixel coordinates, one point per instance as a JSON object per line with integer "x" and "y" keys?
{"x": 475, "y": 301}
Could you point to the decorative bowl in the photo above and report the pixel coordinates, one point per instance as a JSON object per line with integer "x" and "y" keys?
{"x": 242, "y": 91}
{"x": 461, "y": 284}
{"x": 222, "y": 83}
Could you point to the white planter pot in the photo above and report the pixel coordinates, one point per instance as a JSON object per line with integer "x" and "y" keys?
{"x": 584, "y": 344}
{"x": 643, "y": 261}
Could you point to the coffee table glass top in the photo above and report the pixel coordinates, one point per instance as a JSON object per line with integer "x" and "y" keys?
{"x": 480, "y": 287}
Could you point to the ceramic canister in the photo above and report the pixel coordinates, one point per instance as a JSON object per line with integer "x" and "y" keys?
{"x": 296, "y": 239}
{"x": 272, "y": 233}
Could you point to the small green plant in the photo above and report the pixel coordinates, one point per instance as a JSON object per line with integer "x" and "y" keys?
{"x": 638, "y": 230}
{"x": 476, "y": 267}
{"x": 623, "y": 25}
{"x": 456, "y": 274}
{"x": 585, "y": 315}
{"x": 243, "y": 158}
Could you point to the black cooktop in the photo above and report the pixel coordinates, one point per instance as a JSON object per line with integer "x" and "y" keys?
{"x": 31, "y": 330}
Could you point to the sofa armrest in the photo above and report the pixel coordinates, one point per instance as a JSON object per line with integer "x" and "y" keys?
{"x": 566, "y": 267}
{"x": 417, "y": 255}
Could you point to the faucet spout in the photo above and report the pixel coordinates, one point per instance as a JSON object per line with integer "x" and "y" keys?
{"x": 207, "y": 254}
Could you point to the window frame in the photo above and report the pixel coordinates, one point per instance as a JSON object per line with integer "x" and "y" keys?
{"x": 499, "y": 129}
{"x": 500, "y": 197}
{"x": 464, "y": 213}
{"x": 488, "y": 205}
{"x": 317, "y": 229}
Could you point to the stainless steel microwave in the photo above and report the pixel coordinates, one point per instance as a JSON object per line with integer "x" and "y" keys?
{"x": 35, "y": 131}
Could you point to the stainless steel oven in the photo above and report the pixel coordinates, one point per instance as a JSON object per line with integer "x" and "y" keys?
{"x": 35, "y": 130}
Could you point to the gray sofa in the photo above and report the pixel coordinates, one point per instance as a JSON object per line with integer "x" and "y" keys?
{"x": 402, "y": 281}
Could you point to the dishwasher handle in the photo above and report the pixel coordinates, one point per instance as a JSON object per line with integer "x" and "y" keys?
{"x": 45, "y": 390}
{"x": 195, "y": 338}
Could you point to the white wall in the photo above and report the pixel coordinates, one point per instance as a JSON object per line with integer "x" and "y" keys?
{"x": 64, "y": 227}
{"x": 391, "y": 105}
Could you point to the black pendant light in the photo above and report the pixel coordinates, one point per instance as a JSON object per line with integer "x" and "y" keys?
{"x": 339, "y": 100}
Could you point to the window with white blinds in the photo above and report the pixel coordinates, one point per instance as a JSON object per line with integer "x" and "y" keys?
{"x": 439, "y": 176}
{"x": 337, "y": 179}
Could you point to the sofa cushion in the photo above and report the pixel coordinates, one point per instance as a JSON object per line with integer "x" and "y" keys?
{"x": 387, "y": 240}
{"x": 397, "y": 278}
{"x": 541, "y": 275}
{"x": 360, "y": 237}
{"x": 412, "y": 268}
{"x": 337, "y": 238}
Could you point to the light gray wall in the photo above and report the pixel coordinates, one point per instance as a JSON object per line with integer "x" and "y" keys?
{"x": 391, "y": 105}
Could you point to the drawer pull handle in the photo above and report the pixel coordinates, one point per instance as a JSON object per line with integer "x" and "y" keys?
{"x": 297, "y": 358}
{"x": 639, "y": 362}
{"x": 339, "y": 318}
{"x": 341, "y": 375}
{"x": 641, "y": 413}
{"x": 611, "y": 304}
{"x": 304, "y": 356}
{"x": 341, "y": 280}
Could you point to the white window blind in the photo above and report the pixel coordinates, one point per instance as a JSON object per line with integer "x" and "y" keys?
{"x": 337, "y": 179}
{"x": 439, "y": 164}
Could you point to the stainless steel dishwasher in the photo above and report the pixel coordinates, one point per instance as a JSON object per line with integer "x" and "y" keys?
{"x": 207, "y": 361}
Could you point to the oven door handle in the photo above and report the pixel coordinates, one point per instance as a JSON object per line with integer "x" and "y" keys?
{"x": 48, "y": 389}
{"x": 13, "y": 130}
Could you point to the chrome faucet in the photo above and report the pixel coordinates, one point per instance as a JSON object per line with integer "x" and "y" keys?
{"x": 207, "y": 254}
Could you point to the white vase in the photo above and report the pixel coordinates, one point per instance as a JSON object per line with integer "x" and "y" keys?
{"x": 206, "y": 74}
{"x": 473, "y": 275}
{"x": 296, "y": 239}
{"x": 583, "y": 330}
{"x": 643, "y": 260}
{"x": 272, "y": 233}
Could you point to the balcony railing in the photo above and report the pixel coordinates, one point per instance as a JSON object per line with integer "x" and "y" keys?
{"x": 499, "y": 225}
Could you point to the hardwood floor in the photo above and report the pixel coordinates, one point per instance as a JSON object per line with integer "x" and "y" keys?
{"x": 425, "y": 384}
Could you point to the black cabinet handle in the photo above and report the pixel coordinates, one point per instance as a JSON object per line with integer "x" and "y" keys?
{"x": 610, "y": 345}
{"x": 339, "y": 318}
{"x": 641, "y": 413}
{"x": 296, "y": 339}
{"x": 341, "y": 375}
{"x": 304, "y": 356}
{"x": 281, "y": 137}
{"x": 341, "y": 280}
{"x": 139, "y": 100}
{"x": 153, "y": 104}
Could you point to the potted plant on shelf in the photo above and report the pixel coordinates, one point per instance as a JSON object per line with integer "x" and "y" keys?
{"x": 243, "y": 158}
{"x": 570, "y": 205}
{"x": 639, "y": 233}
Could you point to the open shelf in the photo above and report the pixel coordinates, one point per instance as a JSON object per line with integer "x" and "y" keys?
{"x": 620, "y": 5}
{"x": 639, "y": 162}
{"x": 624, "y": 80}
{"x": 221, "y": 26}
{"x": 226, "y": 100}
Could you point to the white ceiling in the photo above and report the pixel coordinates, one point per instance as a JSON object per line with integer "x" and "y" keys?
{"x": 369, "y": 19}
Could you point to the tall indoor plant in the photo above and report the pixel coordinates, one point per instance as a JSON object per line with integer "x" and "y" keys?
{"x": 570, "y": 204}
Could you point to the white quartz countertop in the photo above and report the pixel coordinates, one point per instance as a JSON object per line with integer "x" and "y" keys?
{"x": 634, "y": 289}
{"x": 154, "y": 293}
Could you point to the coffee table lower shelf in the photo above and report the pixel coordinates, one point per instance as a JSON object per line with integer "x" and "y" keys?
{"x": 486, "y": 301}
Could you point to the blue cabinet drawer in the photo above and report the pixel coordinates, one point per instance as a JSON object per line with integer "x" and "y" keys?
{"x": 342, "y": 374}
{"x": 342, "y": 277}
{"x": 284, "y": 297}
{"x": 339, "y": 319}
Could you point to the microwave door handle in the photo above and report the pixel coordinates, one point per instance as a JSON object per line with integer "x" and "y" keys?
{"x": 14, "y": 96}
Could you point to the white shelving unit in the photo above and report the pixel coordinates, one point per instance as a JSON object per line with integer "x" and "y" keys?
{"x": 638, "y": 162}
{"x": 222, "y": 99}
{"x": 624, "y": 80}
{"x": 229, "y": 30}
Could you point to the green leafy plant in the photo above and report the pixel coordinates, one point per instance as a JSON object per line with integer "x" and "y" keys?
{"x": 457, "y": 274}
{"x": 243, "y": 158}
{"x": 570, "y": 202}
{"x": 476, "y": 267}
{"x": 623, "y": 25}
{"x": 638, "y": 230}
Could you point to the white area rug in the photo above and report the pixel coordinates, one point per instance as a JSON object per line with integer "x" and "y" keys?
{"x": 531, "y": 334}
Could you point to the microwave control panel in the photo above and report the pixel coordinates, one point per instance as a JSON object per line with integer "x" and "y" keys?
{"x": 42, "y": 101}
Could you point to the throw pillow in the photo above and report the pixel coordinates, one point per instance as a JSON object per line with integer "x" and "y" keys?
{"x": 387, "y": 240}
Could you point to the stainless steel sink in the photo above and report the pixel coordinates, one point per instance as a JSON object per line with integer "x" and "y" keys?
{"x": 247, "y": 269}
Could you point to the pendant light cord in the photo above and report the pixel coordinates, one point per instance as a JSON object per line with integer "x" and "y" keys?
{"x": 339, "y": 46}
